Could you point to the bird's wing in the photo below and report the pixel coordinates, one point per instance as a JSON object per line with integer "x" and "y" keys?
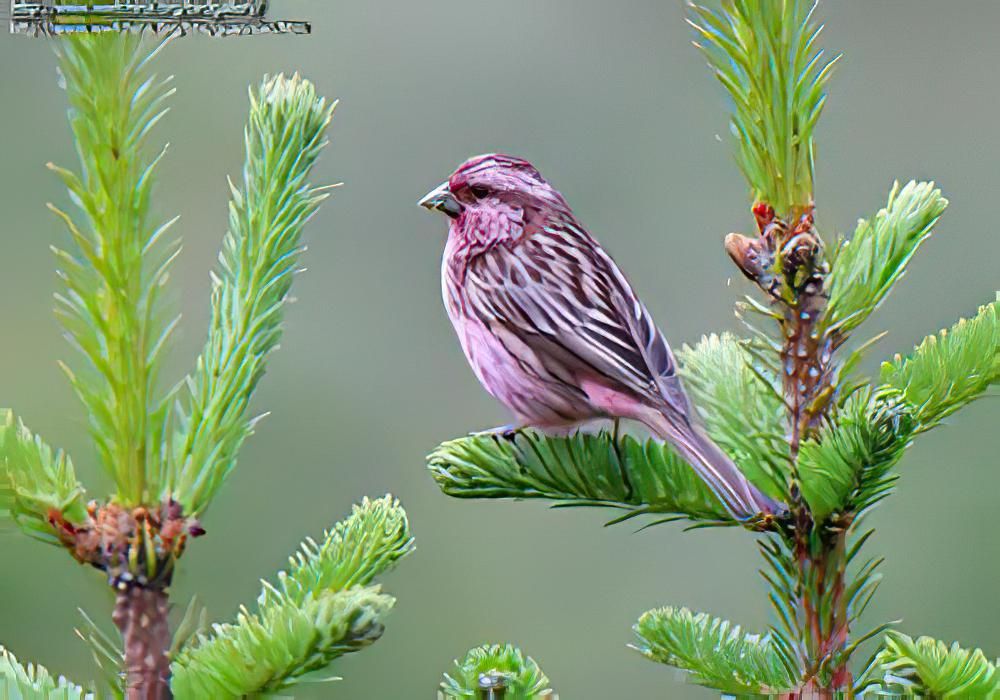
{"x": 560, "y": 287}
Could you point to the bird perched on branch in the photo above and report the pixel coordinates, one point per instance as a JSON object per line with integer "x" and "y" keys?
{"x": 550, "y": 325}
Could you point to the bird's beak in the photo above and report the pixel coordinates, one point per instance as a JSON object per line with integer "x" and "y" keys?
{"x": 441, "y": 199}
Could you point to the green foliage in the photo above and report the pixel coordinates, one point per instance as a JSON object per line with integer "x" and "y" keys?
{"x": 272, "y": 649}
{"x": 581, "y": 470}
{"x": 948, "y": 370}
{"x": 33, "y": 682}
{"x": 110, "y": 306}
{"x": 715, "y": 652}
{"x": 322, "y": 608}
{"x": 865, "y": 267}
{"x": 781, "y": 574}
{"x": 250, "y": 286}
{"x": 765, "y": 53}
{"x": 521, "y": 677}
{"x": 159, "y": 446}
{"x": 114, "y": 279}
{"x": 107, "y": 654}
{"x": 846, "y": 467}
{"x": 37, "y": 481}
{"x": 741, "y": 408}
{"x": 926, "y": 667}
{"x": 841, "y": 597}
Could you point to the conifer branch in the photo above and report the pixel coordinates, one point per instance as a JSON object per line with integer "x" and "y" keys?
{"x": 168, "y": 459}
{"x": 742, "y": 407}
{"x": 38, "y": 486}
{"x": 260, "y": 256}
{"x": 865, "y": 267}
{"x": 714, "y": 652}
{"x": 766, "y": 56}
{"x": 925, "y": 667}
{"x": 114, "y": 276}
{"x": 33, "y": 682}
{"x": 580, "y": 470}
{"x": 324, "y": 606}
{"x": 948, "y": 370}
{"x": 845, "y": 468}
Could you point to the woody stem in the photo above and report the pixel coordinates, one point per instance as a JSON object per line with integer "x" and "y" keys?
{"x": 141, "y": 616}
{"x": 786, "y": 262}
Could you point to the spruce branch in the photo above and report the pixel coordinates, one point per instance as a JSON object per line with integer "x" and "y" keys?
{"x": 114, "y": 276}
{"x": 268, "y": 651}
{"x": 948, "y": 370}
{"x": 580, "y": 470}
{"x": 250, "y": 286}
{"x": 925, "y": 667}
{"x": 766, "y": 56}
{"x": 158, "y": 451}
{"x": 33, "y": 682}
{"x": 742, "y": 408}
{"x": 324, "y": 606}
{"x": 714, "y": 652}
{"x": 846, "y": 467}
{"x": 865, "y": 267}
{"x": 814, "y": 638}
{"x": 39, "y": 485}
{"x": 502, "y": 669}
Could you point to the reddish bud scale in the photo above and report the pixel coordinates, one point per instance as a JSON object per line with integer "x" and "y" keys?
{"x": 764, "y": 214}
{"x": 119, "y": 540}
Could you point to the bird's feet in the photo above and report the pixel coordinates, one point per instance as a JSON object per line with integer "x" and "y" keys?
{"x": 507, "y": 432}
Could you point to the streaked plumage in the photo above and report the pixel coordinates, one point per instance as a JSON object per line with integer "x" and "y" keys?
{"x": 550, "y": 325}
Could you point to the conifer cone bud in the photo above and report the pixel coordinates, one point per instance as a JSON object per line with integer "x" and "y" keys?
{"x": 749, "y": 254}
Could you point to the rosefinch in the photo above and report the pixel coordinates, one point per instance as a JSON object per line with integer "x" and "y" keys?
{"x": 550, "y": 325}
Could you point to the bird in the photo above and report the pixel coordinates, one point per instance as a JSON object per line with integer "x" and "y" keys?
{"x": 553, "y": 329}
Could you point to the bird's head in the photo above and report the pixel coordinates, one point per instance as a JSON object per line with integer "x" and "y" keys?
{"x": 495, "y": 197}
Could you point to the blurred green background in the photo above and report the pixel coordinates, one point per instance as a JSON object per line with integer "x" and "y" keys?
{"x": 620, "y": 113}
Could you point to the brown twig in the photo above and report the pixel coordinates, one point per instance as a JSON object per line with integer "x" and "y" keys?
{"x": 141, "y": 616}
{"x": 137, "y": 548}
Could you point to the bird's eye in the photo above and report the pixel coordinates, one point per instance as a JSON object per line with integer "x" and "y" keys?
{"x": 478, "y": 191}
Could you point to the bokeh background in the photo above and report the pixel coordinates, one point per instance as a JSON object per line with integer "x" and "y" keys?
{"x": 618, "y": 110}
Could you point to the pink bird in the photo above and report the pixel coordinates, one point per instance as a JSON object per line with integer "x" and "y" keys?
{"x": 552, "y": 328}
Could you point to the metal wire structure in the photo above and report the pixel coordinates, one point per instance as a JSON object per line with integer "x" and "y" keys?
{"x": 212, "y": 18}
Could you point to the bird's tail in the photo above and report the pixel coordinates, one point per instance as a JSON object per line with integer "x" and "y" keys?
{"x": 741, "y": 498}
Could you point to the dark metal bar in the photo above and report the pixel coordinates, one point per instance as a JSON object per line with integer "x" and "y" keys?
{"x": 213, "y": 18}
{"x": 492, "y": 686}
